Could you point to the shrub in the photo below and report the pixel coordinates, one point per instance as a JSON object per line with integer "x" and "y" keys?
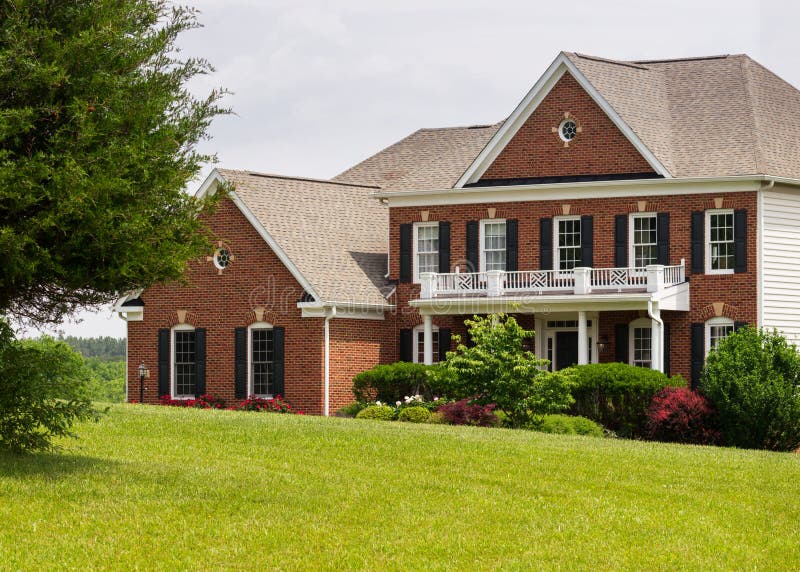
{"x": 379, "y": 412}
{"x": 464, "y": 412}
{"x": 205, "y": 401}
{"x": 414, "y": 414}
{"x": 617, "y": 395}
{"x": 437, "y": 418}
{"x": 753, "y": 380}
{"x": 351, "y": 410}
{"x": 272, "y": 405}
{"x": 43, "y": 391}
{"x": 498, "y": 370}
{"x": 392, "y": 382}
{"x": 680, "y": 415}
{"x": 567, "y": 425}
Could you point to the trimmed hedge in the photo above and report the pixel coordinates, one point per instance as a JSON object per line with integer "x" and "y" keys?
{"x": 393, "y": 382}
{"x": 379, "y": 412}
{"x": 414, "y": 414}
{"x": 568, "y": 425}
{"x": 618, "y": 395}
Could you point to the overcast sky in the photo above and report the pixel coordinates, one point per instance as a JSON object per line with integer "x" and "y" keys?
{"x": 319, "y": 85}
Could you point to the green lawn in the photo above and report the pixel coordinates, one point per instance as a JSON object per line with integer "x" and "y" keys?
{"x": 165, "y": 488}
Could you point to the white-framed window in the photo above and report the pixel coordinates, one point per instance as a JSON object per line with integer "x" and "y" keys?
{"x": 719, "y": 241}
{"x": 641, "y": 342}
{"x": 493, "y": 245}
{"x": 643, "y": 239}
{"x": 261, "y": 360}
{"x": 419, "y": 344}
{"x": 426, "y": 248}
{"x": 567, "y": 241}
{"x": 184, "y": 362}
{"x": 717, "y": 329}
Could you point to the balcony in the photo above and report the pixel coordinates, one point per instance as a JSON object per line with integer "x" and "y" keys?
{"x": 497, "y": 283}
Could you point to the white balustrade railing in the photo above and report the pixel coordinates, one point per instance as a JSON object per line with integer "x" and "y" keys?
{"x": 578, "y": 281}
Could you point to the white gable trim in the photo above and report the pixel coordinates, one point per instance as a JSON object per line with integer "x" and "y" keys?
{"x": 528, "y": 105}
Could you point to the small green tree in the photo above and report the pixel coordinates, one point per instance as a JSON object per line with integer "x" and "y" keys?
{"x": 497, "y": 369}
{"x": 753, "y": 380}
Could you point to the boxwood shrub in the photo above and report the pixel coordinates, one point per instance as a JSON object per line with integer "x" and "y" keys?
{"x": 393, "y": 382}
{"x": 567, "y": 425}
{"x": 379, "y": 412}
{"x": 618, "y": 395}
{"x": 414, "y": 414}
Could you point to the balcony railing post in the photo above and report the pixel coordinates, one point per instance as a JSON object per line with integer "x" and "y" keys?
{"x": 494, "y": 283}
{"x": 428, "y": 285}
{"x": 655, "y": 277}
{"x": 583, "y": 280}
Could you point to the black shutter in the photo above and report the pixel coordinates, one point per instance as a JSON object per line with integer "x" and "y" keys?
{"x": 405, "y": 253}
{"x": 240, "y": 363}
{"x": 278, "y": 339}
{"x": 698, "y": 242}
{"x": 406, "y": 345}
{"x": 473, "y": 252}
{"x": 662, "y": 238}
{"x": 667, "y": 344}
{"x": 512, "y": 245}
{"x": 200, "y": 361}
{"x": 444, "y": 343}
{"x": 546, "y": 243}
{"x": 738, "y": 325}
{"x": 621, "y": 342}
{"x": 444, "y": 247}
{"x": 740, "y": 241}
{"x": 164, "y": 360}
{"x": 621, "y": 241}
{"x": 698, "y": 352}
{"x": 587, "y": 241}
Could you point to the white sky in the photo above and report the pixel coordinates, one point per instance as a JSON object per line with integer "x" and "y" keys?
{"x": 319, "y": 85}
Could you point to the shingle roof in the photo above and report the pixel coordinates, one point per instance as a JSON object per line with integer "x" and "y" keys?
{"x": 426, "y": 159}
{"x": 705, "y": 117}
{"x": 334, "y": 233}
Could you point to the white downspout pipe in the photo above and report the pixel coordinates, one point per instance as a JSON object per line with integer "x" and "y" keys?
{"x": 660, "y": 322}
{"x": 328, "y": 317}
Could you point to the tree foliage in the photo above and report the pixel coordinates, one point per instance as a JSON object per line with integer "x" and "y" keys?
{"x": 98, "y": 136}
{"x": 103, "y": 347}
{"x": 497, "y": 369}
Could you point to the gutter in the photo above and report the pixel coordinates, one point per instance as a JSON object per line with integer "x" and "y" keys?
{"x": 328, "y": 317}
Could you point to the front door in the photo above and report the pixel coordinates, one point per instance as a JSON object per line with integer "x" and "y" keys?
{"x": 566, "y": 349}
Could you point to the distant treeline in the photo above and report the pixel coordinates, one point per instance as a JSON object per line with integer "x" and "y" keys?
{"x": 104, "y": 348}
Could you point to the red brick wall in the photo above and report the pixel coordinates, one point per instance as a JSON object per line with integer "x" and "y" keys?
{"x": 738, "y": 291}
{"x": 222, "y": 302}
{"x": 535, "y": 151}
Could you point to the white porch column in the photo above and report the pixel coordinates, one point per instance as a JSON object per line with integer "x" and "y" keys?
{"x": 656, "y": 345}
{"x": 427, "y": 285}
{"x": 583, "y": 279}
{"x": 427, "y": 339}
{"x": 538, "y": 340}
{"x": 583, "y": 339}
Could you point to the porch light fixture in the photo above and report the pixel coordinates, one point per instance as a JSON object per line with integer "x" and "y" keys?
{"x": 144, "y": 373}
{"x": 602, "y": 344}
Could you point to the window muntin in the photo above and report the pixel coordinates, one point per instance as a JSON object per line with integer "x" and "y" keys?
{"x": 419, "y": 344}
{"x": 567, "y": 130}
{"x": 493, "y": 245}
{"x": 426, "y": 248}
{"x": 644, "y": 240}
{"x": 568, "y": 243}
{"x": 185, "y": 363}
{"x": 262, "y": 361}
{"x": 717, "y": 329}
{"x": 222, "y": 257}
{"x": 641, "y": 342}
{"x": 719, "y": 242}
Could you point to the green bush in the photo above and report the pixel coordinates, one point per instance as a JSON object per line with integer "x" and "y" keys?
{"x": 394, "y": 382}
{"x": 379, "y": 412}
{"x": 414, "y": 414}
{"x": 107, "y": 380}
{"x": 437, "y": 418}
{"x": 618, "y": 395}
{"x": 351, "y": 410}
{"x": 567, "y": 425}
{"x": 753, "y": 380}
{"x": 43, "y": 391}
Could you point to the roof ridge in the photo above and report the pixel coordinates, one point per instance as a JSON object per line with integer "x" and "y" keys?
{"x": 477, "y": 126}
{"x": 687, "y": 59}
{"x": 635, "y": 65}
{"x": 296, "y": 178}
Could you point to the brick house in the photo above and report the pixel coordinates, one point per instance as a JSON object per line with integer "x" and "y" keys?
{"x": 626, "y": 211}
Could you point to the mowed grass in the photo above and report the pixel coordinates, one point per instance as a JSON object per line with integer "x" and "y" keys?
{"x": 164, "y": 488}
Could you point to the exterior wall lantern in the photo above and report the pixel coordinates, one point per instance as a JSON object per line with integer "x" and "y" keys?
{"x": 144, "y": 373}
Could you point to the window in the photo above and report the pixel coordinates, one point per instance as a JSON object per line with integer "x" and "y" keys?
{"x": 419, "y": 344}
{"x": 426, "y": 248}
{"x": 717, "y": 329}
{"x": 262, "y": 361}
{"x": 184, "y": 359}
{"x": 643, "y": 240}
{"x": 567, "y": 130}
{"x": 222, "y": 257}
{"x": 641, "y": 341}
{"x": 493, "y": 245}
{"x": 568, "y": 243}
{"x": 719, "y": 242}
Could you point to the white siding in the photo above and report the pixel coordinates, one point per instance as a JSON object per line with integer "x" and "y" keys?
{"x": 780, "y": 263}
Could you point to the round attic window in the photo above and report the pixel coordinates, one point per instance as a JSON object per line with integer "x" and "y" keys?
{"x": 567, "y": 130}
{"x": 222, "y": 257}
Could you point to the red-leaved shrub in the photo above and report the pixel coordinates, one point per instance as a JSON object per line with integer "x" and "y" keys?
{"x": 680, "y": 415}
{"x": 205, "y": 401}
{"x": 274, "y": 404}
{"x": 465, "y": 413}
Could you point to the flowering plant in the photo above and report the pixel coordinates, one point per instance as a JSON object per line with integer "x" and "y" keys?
{"x": 205, "y": 401}
{"x": 274, "y": 404}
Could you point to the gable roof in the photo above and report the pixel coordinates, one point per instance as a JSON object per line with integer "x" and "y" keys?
{"x": 715, "y": 116}
{"x": 331, "y": 235}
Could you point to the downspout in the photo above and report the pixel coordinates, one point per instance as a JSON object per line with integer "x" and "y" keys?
{"x": 328, "y": 317}
{"x": 660, "y": 323}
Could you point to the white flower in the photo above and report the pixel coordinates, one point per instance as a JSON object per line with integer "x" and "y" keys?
{"x": 378, "y": 403}
{"x": 398, "y": 403}
{"x": 436, "y": 399}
